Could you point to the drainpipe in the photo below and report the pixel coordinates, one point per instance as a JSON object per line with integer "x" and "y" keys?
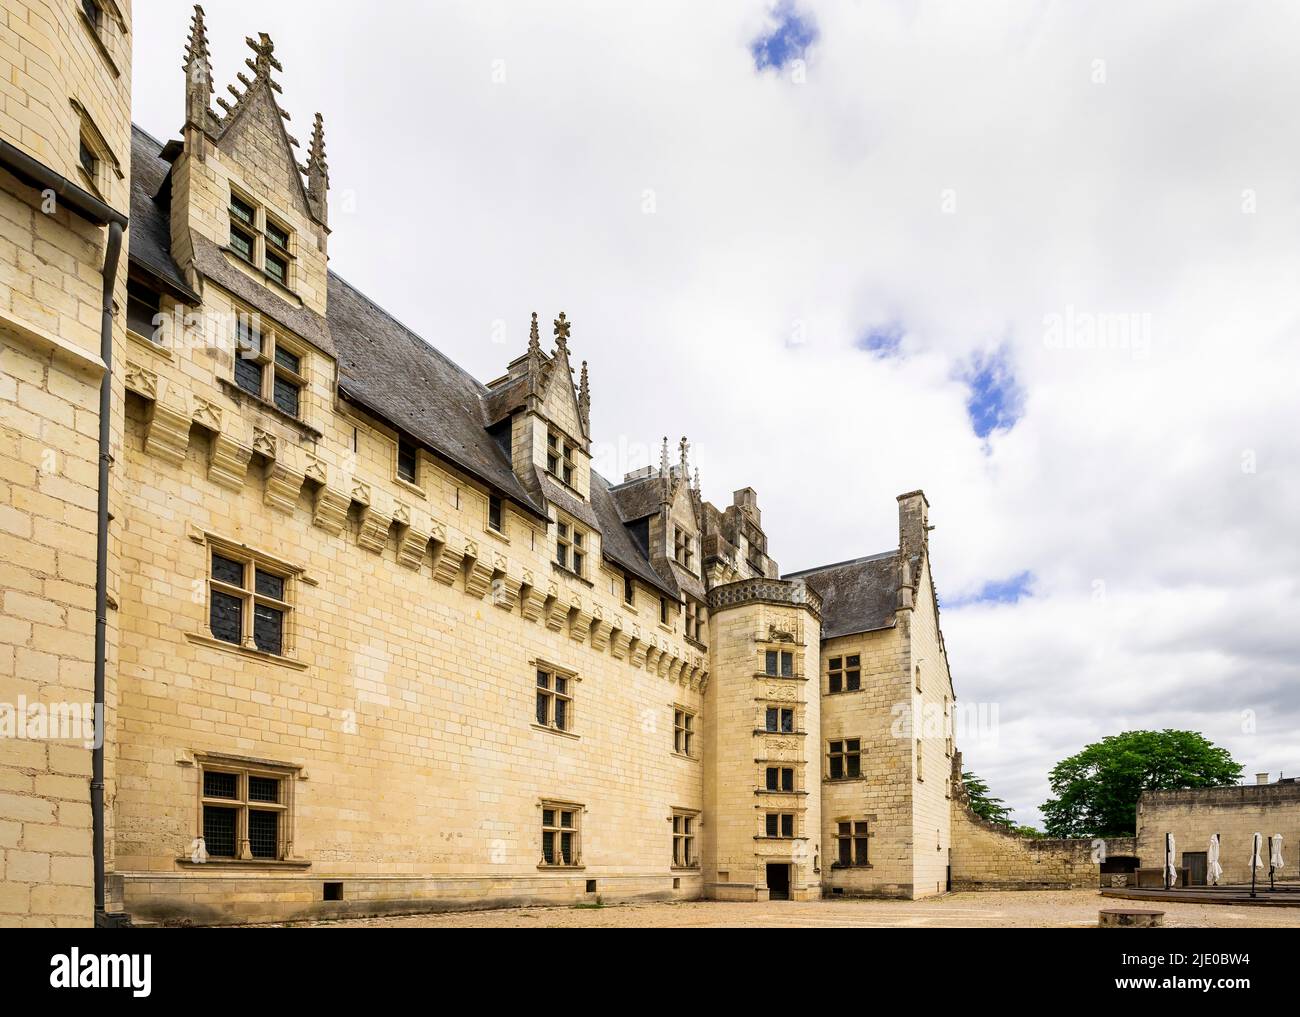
{"x": 112, "y": 254}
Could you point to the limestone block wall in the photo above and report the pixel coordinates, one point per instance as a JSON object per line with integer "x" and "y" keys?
{"x": 61, "y": 79}
{"x": 1235, "y": 813}
{"x": 405, "y": 702}
{"x": 987, "y": 857}
{"x": 883, "y": 795}
{"x": 62, "y": 74}
{"x": 932, "y": 699}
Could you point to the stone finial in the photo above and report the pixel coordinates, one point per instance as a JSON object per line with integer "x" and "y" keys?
{"x": 697, "y": 480}
{"x": 318, "y": 171}
{"x": 562, "y": 325}
{"x": 685, "y": 447}
{"x": 198, "y": 72}
{"x": 663, "y": 460}
{"x": 534, "y": 339}
{"x": 263, "y": 61}
{"x": 584, "y": 398}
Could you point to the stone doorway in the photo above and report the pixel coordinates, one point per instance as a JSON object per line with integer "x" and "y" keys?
{"x": 778, "y": 882}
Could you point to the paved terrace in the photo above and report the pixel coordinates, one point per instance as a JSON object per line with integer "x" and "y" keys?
{"x": 1031, "y": 909}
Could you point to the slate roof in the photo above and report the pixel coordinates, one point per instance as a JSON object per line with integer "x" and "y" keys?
{"x": 857, "y": 596}
{"x": 151, "y": 240}
{"x": 640, "y": 498}
{"x": 383, "y": 366}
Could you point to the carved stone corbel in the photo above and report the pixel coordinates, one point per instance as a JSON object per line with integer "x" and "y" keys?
{"x": 228, "y": 463}
{"x": 168, "y": 434}
{"x": 331, "y": 513}
{"x": 411, "y": 545}
{"x": 283, "y": 485}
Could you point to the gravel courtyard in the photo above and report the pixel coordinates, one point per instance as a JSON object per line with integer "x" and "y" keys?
{"x": 1051, "y": 909}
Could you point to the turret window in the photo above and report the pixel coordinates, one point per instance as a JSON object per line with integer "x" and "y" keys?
{"x": 780, "y": 825}
{"x": 779, "y": 721}
{"x": 779, "y": 663}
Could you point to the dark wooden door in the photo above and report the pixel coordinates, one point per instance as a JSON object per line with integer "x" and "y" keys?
{"x": 1197, "y": 867}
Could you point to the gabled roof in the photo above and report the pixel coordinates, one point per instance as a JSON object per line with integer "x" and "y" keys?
{"x": 857, "y": 596}
{"x": 619, "y": 547}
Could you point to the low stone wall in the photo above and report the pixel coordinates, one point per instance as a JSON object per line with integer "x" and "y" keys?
{"x": 242, "y": 899}
{"x": 986, "y": 856}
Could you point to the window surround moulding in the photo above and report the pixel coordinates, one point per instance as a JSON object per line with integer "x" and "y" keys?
{"x": 239, "y": 396}
{"x": 216, "y": 542}
{"x": 106, "y": 7}
{"x": 290, "y": 773}
{"x": 106, "y": 153}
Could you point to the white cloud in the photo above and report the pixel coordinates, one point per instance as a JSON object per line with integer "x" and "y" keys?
{"x": 787, "y": 219}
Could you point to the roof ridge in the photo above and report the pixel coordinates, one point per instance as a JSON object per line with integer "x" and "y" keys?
{"x": 842, "y": 564}
{"x": 138, "y": 129}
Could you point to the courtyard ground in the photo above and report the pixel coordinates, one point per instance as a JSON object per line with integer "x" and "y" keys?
{"x": 1032, "y": 909}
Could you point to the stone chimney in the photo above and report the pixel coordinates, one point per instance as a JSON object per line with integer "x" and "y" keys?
{"x": 746, "y": 499}
{"x": 1261, "y": 778}
{"x": 913, "y": 524}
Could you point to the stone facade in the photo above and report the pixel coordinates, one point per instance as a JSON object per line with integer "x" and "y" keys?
{"x": 379, "y": 638}
{"x": 65, "y": 114}
{"x": 1236, "y": 814}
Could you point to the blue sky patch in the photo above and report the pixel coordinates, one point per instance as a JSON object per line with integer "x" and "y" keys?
{"x": 881, "y": 341}
{"x": 789, "y": 36}
{"x": 996, "y": 400}
{"x": 997, "y": 591}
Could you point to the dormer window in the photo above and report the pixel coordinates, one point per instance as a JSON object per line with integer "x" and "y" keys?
{"x": 259, "y": 239}
{"x": 683, "y": 549}
{"x": 93, "y": 12}
{"x": 559, "y": 458}
{"x": 570, "y": 548}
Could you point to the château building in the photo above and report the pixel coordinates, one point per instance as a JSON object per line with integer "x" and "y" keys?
{"x": 375, "y": 635}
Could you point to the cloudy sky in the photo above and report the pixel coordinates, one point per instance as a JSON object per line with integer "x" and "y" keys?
{"x": 1039, "y": 259}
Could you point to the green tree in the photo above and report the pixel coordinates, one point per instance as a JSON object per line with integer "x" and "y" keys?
{"x": 1096, "y": 791}
{"x": 982, "y": 802}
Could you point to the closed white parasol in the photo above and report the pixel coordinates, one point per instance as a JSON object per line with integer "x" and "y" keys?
{"x": 1172, "y": 872}
{"x": 1255, "y": 862}
{"x": 1213, "y": 869}
{"x": 1275, "y": 859}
